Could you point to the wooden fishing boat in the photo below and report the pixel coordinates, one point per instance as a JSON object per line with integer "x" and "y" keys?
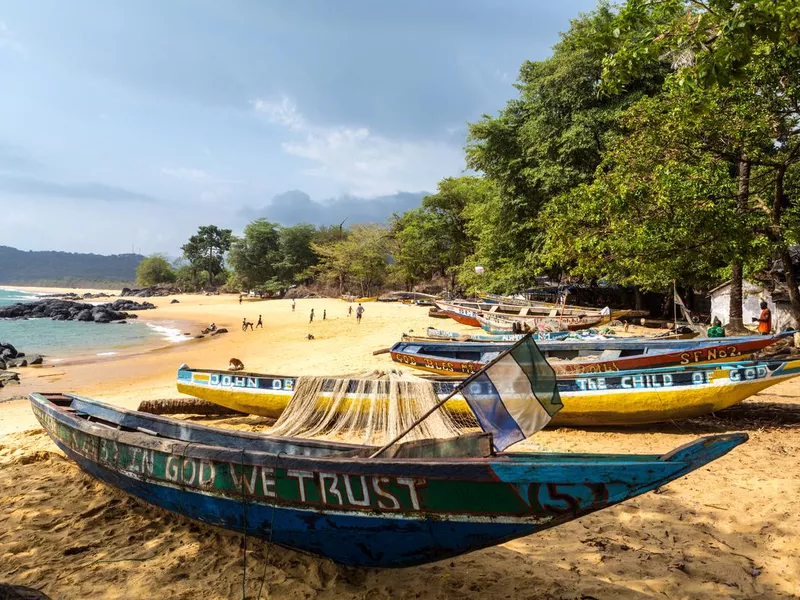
{"x": 467, "y": 313}
{"x": 618, "y": 398}
{"x": 582, "y": 356}
{"x": 434, "y": 334}
{"x": 502, "y": 325}
{"x": 426, "y": 501}
{"x": 616, "y": 313}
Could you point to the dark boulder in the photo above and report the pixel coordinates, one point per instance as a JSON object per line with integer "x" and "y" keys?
{"x": 16, "y": 363}
{"x": 174, "y": 301}
{"x": 67, "y": 310}
{"x": 219, "y": 331}
{"x": 35, "y": 359}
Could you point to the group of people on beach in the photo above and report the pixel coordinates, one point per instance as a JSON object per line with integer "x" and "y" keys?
{"x": 260, "y": 323}
{"x": 246, "y": 324}
{"x": 359, "y": 313}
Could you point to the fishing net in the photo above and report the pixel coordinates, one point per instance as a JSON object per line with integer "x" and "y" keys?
{"x": 368, "y": 408}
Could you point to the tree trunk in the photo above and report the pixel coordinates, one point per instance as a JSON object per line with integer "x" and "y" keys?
{"x": 778, "y": 204}
{"x": 735, "y": 324}
{"x": 637, "y": 298}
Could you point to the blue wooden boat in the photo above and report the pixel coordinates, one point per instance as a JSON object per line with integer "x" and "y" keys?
{"x": 582, "y": 356}
{"x": 425, "y": 501}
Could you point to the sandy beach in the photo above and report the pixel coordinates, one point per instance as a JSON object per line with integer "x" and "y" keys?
{"x": 728, "y": 530}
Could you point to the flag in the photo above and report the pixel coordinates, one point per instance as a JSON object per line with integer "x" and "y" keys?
{"x": 515, "y": 395}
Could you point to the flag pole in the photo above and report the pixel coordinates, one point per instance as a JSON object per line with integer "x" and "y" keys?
{"x": 442, "y": 402}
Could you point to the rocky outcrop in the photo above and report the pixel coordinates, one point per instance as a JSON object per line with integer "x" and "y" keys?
{"x": 7, "y": 377}
{"x": 150, "y": 292}
{"x": 74, "y": 296}
{"x": 11, "y": 358}
{"x": 67, "y": 310}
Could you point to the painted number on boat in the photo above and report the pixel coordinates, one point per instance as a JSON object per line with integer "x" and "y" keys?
{"x": 708, "y": 354}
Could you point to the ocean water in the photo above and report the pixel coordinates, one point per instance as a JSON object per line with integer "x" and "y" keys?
{"x": 65, "y": 339}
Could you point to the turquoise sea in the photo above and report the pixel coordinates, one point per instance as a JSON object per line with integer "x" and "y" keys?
{"x": 65, "y": 339}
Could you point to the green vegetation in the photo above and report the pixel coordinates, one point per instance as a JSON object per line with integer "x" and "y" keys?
{"x": 153, "y": 270}
{"x": 66, "y": 269}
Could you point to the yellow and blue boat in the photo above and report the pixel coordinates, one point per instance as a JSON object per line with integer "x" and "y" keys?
{"x": 597, "y": 399}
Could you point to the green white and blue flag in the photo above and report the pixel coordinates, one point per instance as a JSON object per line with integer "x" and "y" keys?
{"x": 515, "y": 395}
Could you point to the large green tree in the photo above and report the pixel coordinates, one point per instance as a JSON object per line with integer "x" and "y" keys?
{"x": 434, "y": 238}
{"x": 550, "y": 139}
{"x": 736, "y": 68}
{"x": 296, "y": 254}
{"x": 205, "y": 250}
{"x": 255, "y": 256}
{"x": 358, "y": 263}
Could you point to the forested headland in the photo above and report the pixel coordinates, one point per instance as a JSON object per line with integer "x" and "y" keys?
{"x": 659, "y": 142}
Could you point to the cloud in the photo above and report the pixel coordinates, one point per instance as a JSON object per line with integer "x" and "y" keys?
{"x": 296, "y": 206}
{"x": 77, "y": 191}
{"x": 9, "y": 40}
{"x": 196, "y": 175}
{"x": 12, "y": 159}
{"x": 283, "y": 112}
{"x": 360, "y": 162}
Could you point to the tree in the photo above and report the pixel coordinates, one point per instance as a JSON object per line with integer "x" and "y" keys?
{"x": 153, "y": 270}
{"x": 206, "y": 250}
{"x": 549, "y": 140}
{"x": 433, "y": 239}
{"x": 737, "y": 66}
{"x": 357, "y": 263}
{"x": 255, "y": 256}
{"x": 296, "y": 254}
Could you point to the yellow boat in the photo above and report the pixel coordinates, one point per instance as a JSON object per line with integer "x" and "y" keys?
{"x": 615, "y": 398}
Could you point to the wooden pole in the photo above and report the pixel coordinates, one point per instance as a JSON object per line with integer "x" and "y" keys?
{"x": 675, "y": 304}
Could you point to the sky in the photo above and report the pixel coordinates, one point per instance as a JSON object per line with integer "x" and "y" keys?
{"x": 126, "y": 125}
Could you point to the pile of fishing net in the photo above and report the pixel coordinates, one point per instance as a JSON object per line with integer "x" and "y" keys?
{"x": 368, "y": 408}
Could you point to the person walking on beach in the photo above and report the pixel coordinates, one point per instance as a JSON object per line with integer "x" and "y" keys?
{"x": 240, "y": 298}
{"x": 311, "y": 318}
{"x": 324, "y": 314}
{"x": 244, "y": 324}
{"x": 765, "y": 320}
{"x": 349, "y": 310}
{"x": 292, "y": 304}
{"x": 359, "y": 313}
{"x": 260, "y": 323}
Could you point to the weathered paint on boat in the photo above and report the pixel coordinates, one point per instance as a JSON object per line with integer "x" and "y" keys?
{"x": 471, "y": 316}
{"x": 453, "y": 336}
{"x": 448, "y": 358}
{"x": 620, "y": 398}
{"x": 326, "y": 499}
{"x": 501, "y": 324}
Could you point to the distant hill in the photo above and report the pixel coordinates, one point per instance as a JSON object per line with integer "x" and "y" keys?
{"x": 54, "y": 268}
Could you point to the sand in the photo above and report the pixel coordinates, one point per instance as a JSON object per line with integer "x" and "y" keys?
{"x": 727, "y": 530}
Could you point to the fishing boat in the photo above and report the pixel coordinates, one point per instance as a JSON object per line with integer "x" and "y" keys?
{"x": 467, "y": 313}
{"x": 582, "y": 356}
{"x": 427, "y": 501}
{"x": 434, "y": 334}
{"x": 619, "y": 398}
{"x": 616, "y": 313}
{"x": 503, "y": 325}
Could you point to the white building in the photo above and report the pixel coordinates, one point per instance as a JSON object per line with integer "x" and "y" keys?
{"x": 753, "y": 293}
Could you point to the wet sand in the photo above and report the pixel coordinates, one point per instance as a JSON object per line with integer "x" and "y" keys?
{"x": 727, "y": 530}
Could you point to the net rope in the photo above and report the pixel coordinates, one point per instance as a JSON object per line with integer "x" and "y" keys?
{"x": 368, "y": 408}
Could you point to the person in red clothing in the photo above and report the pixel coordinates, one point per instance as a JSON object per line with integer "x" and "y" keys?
{"x": 765, "y": 320}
